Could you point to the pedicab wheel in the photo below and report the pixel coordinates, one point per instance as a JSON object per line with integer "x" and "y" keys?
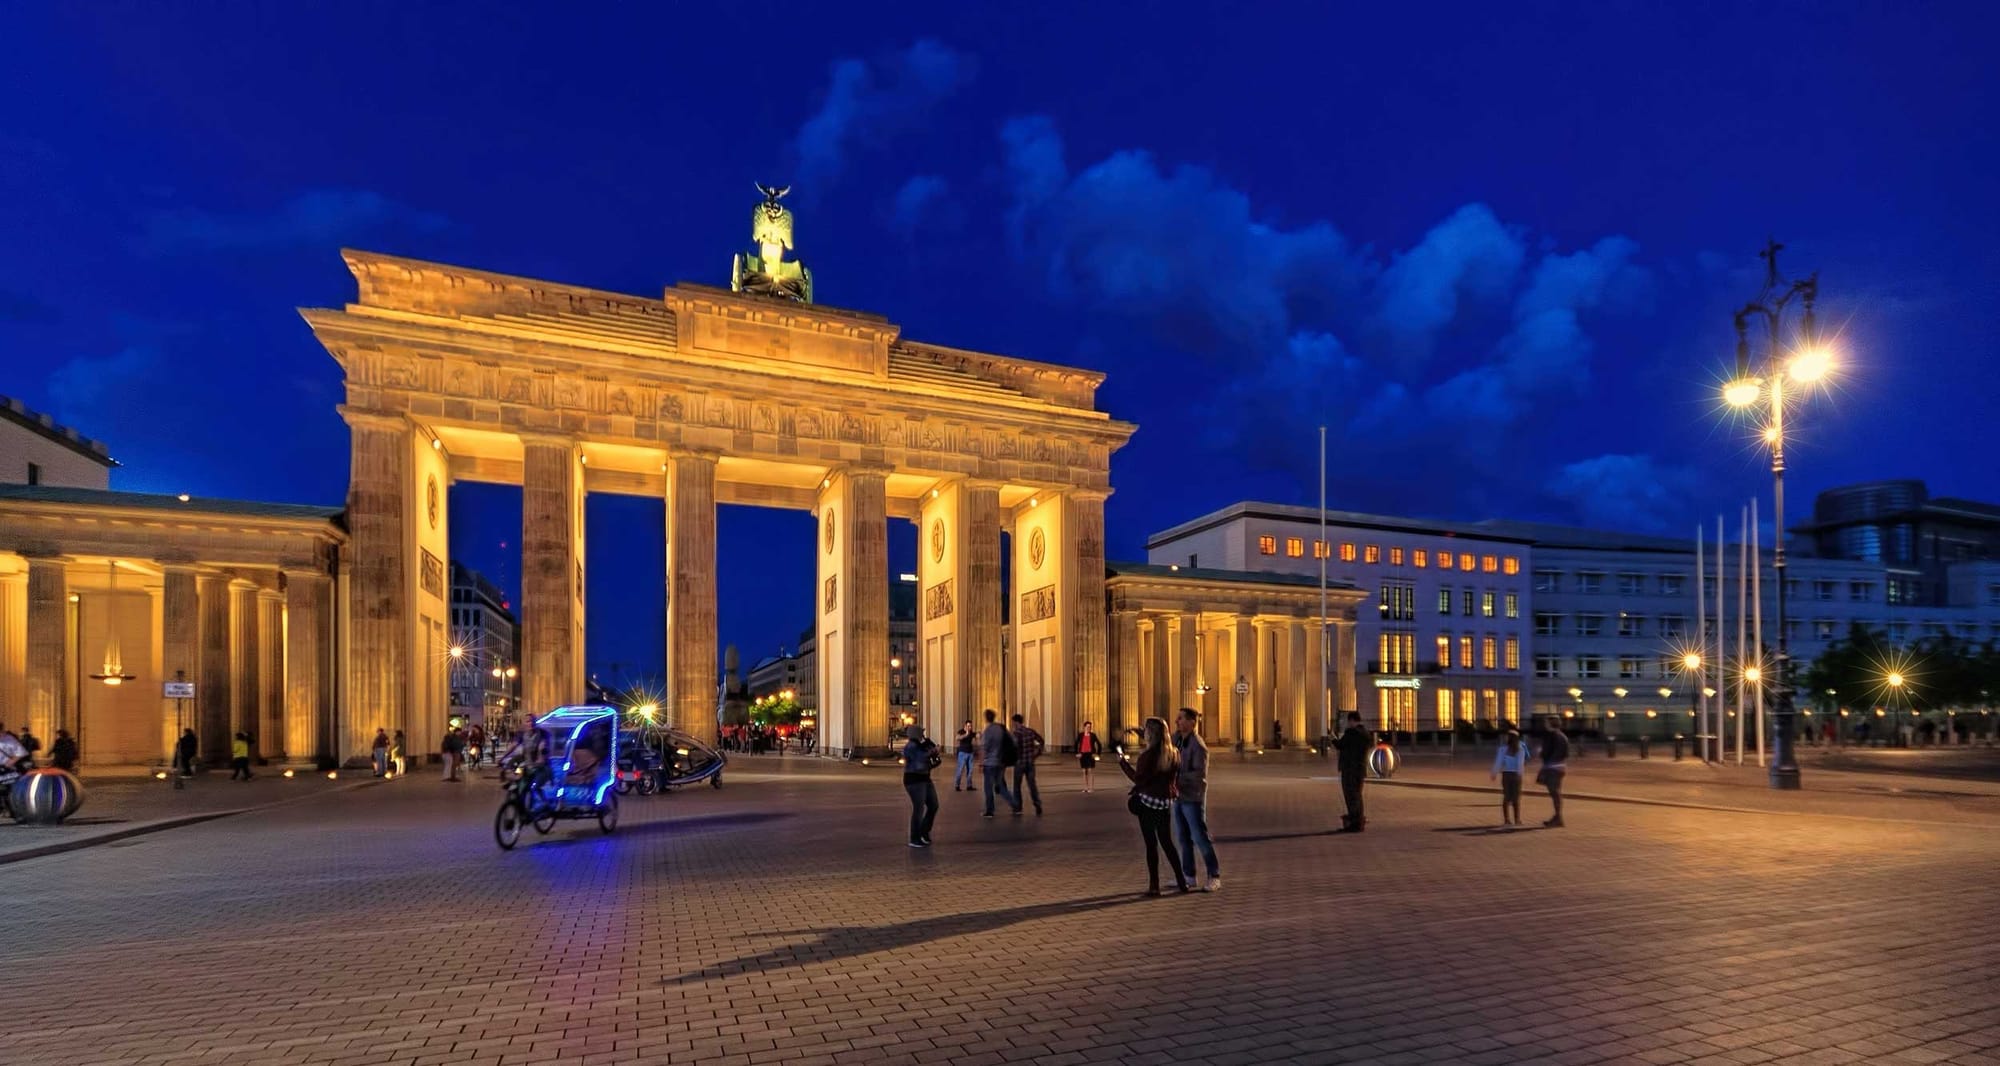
{"x": 624, "y": 786}
{"x": 716, "y": 781}
{"x": 507, "y": 825}
{"x": 648, "y": 784}
{"x": 545, "y": 821}
{"x": 607, "y": 815}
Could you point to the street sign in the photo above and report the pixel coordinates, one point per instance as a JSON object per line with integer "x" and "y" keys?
{"x": 179, "y": 690}
{"x": 1242, "y": 688}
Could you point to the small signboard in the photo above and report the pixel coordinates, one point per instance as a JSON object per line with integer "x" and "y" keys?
{"x": 179, "y": 690}
{"x": 1242, "y": 689}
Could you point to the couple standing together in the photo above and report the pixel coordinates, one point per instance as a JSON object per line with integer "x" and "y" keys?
{"x": 1170, "y": 796}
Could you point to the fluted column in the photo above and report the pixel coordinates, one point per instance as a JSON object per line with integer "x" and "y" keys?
{"x": 982, "y": 597}
{"x": 1302, "y": 685}
{"x": 14, "y": 639}
{"x": 1317, "y": 700}
{"x": 1345, "y": 697}
{"x": 1089, "y": 648}
{"x": 270, "y": 717}
{"x": 180, "y": 646}
{"x": 691, "y": 597}
{"x": 306, "y": 636}
{"x": 551, "y": 572}
{"x": 1243, "y": 706}
{"x": 245, "y": 664}
{"x": 1163, "y": 668}
{"x": 215, "y": 693}
{"x": 1124, "y": 710}
{"x": 1267, "y": 683}
{"x": 867, "y": 608}
{"x": 1188, "y": 661}
{"x": 48, "y": 640}
{"x": 378, "y": 586}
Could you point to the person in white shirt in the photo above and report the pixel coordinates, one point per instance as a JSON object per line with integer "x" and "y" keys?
{"x": 1508, "y": 764}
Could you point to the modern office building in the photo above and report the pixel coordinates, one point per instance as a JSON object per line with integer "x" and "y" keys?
{"x": 1900, "y": 526}
{"x": 1446, "y": 638}
{"x": 484, "y": 637}
{"x": 774, "y": 674}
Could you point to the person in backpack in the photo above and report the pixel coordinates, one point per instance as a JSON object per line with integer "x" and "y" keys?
{"x": 1555, "y": 756}
{"x": 920, "y": 757}
{"x": 968, "y": 743}
{"x": 996, "y": 754}
{"x": 1028, "y": 747}
{"x": 1508, "y": 763}
{"x": 1151, "y": 801}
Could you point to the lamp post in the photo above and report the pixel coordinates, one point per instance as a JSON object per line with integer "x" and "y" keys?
{"x": 1665, "y": 695}
{"x": 1896, "y": 682}
{"x": 1691, "y": 663}
{"x": 1807, "y": 363}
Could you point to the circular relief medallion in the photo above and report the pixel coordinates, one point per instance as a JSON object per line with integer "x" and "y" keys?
{"x": 1038, "y": 548}
{"x": 937, "y": 540}
{"x": 829, "y": 531}
{"x": 431, "y": 499}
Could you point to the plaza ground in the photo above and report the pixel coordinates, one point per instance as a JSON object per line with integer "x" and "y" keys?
{"x": 781, "y": 919}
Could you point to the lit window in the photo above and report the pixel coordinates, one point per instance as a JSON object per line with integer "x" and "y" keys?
{"x": 1444, "y": 708}
{"x": 1492, "y": 703}
{"x": 1444, "y": 600}
{"x": 1513, "y": 606}
{"x": 1294, "y": 547}
{"x": 1465, "y": 562}
{"x": 1445, "y": 560}
{"x": 1371, "y": 554}
{"x": 1489, "y": 564}
{"x": 1267, "y": 545}
{"x": 1465, "y": 651}
{"x": 1513, "y": 661}
{"x": 1422, "y": 559}
{"x": 1486, "y": 604}
{"x": 1489, "y": 657}
{"x": 1511, "y": 565}
{"x": 1444, "y": 652}
{"x": 1513, "y": 705}
{"x": 1347, "y": 553}
{"x": 1319, "y": 549}
{"x": 1630, "y": 668}
{"x": 1395, "y": 556}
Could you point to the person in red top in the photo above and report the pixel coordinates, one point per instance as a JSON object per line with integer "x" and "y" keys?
{"x": 1088, "y": 747}
{"x": 1152, "y": 799}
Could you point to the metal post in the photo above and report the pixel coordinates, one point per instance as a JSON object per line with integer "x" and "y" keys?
{"x": 1785, "y": 765}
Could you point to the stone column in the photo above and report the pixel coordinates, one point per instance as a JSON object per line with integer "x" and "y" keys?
{"x": 691, "y": 598}
{"x": 1211, "y": 675}
{"x": 866, "y": 609}
{"x": 981, "y": 598}
{"x": 48, "y": 644}
{"x": 1163, "y": 675}
{"x": 245, "y": 667}
{"x": 270, "y": 717}
{"x": 215, "y": 693}
{"x": 1345, "y": 697}
{"x": 1188, "y": 661}
{"x": 1303, "y": 684}
{"x": 1124, "y": 709}
{"x": 1089, "y": 649}
{"x": 1267, "y": 684}
{"x": 1243, "y": 708}
{"x": 14, "y": 639}
{"x": 1317, "y": 685}
{"x": 306, "y": 637}
{"x": 552, "y": 573}
{"x": 180, "y": 647}
{"x": 378, "y": 586}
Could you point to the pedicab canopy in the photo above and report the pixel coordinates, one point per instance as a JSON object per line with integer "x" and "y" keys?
{"x": 583, "y": 749}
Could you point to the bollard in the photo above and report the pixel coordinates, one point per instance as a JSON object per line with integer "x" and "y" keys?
{"x": 1678, "y": 739}
{"x": 1643, "y": 745}
{"x": 1611, "y": 747}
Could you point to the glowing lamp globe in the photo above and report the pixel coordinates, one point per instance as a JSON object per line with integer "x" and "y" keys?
{"x": 1810, "y": 365}
{"x": 1742, "y": 392}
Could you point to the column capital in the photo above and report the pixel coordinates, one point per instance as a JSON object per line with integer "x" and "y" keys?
{"x": 981, "y": 483}
{"x": 545, "y": 437}
{"x": 363, "y": 418}
{"x": 706, "y": 455}
{"x": 854, "y": 470}
{"x": 1088, "y": 495}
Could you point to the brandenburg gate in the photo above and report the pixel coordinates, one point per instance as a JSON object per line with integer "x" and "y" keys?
{"x": 705, "y": 396}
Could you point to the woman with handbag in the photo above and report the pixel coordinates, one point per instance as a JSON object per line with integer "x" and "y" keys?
{"x": 1152, "y": 801}
{"x": 1088, "y": 748}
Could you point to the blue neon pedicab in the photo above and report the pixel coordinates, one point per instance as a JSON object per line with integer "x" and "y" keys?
{"x": 580, "y": 781}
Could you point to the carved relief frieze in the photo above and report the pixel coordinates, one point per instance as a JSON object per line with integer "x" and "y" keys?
{"x": 1038, "y": 604}
{"x": 937, "y": 601}
{"x": 764, "y": 419}
{"x": 832, "y": 593}
{"x": 619, "y": 402}
{"x": 517, "y": 387}
{"x": 430, "y": 573}
{"x": 461, "y": 380}
{"x": 400, "y": 372}
{"x": 673, "y": 407}
{"x": 851, "y": 429}
{"x": 568, "y": 392}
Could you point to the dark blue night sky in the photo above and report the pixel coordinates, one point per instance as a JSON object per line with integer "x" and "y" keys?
{"x": 1494, "y": 246}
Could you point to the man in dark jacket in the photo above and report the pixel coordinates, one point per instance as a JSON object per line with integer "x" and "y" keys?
{"x": 1191, "y": 800}
{"x": 919, "y": 757}
{"x": 1355, "y": 744}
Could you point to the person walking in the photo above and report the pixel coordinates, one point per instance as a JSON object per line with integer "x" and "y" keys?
{"x": 397, "y": 749}
{"x": 1555, "y": 756}
{"x": 239, "y": 757}
{"x": 63, "y": 754}
{"x": 1152, "y": 799}
{"x": 380, "y": 752}
{"x": 996, "y": 753}
{"x": 1355, "y": 744}
{"x": 1191, "y": 800}
{"x": 185, "y": 751}
{"x": 968, "y": 740}
{"x": 1028, "y": 747}
{"x": 453, "y": 750}
{"x": 920, "y": 757}
{"x": 1508, "y": 764}
{"x": 1088, "y": 747}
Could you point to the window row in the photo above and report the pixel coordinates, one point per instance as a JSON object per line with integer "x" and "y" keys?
{"x": 1348, "y": 551}
{"x": 1494, "y": 653}
{"x": 1474, "y": 602}
{"x": 1623, "y": 667}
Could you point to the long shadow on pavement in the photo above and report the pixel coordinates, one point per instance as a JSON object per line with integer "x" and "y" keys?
{"x": 1487, "y": 830}
{"x": 851, "y": 941}
{"x": 696, "y": 824}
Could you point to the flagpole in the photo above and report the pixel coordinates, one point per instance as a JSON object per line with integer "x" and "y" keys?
{"x": 1325, "y": 549}
{"x": 1742, "y": 620}
{"x": 1700, "y": 641}
{"x": 1757, "y": 620}
{"x": 1721, "y": 645}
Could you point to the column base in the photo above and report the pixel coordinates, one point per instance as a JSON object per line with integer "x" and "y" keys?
{"x": 1785, "y": 779}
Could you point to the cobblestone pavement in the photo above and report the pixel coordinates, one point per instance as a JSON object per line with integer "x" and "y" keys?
{"x": 117, "y": 804}
{"x": 781, "y": 919}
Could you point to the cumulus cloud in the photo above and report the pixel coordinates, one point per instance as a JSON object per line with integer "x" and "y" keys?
{"x": 1624, "y": 492}
{"x": 1469, "y": 255}
{"x": 922, "y": 204}
{"x": 866, "y": 103}
{"x": 314, "y": 217}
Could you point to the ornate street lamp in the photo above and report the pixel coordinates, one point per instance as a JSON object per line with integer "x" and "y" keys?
{"x": 1784, "y": 367}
